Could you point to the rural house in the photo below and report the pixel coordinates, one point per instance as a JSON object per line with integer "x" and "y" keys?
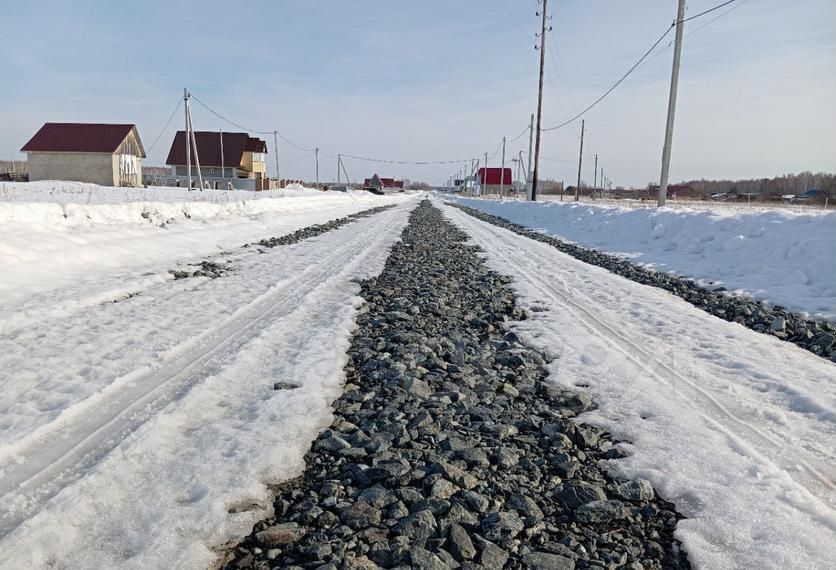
{"x": 491, "y": 180}
{"x": 110, "y": 155}
{"x": 380, "y": 183}
{"x": 227, "y": 160}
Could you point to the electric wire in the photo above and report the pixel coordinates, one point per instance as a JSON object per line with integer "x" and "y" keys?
{"x": 167, "y": 123}
{"x": 255, "y": 131}
{"x": 636, "y": 65}
{"x": 616, "y": 84}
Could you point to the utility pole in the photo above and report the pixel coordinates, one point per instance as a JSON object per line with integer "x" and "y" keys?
{"x": 602, "y": 183}
{"x": 580, "y": 162}
{"x": 338, "y": 168}
{"x": 530, "y": 151}
{"x": 595, "y": 176}
{"x": 523, "y": 171}
{"x": 502, "y": 171}
{"x": 276, "y": 150}
{"x": 190, "y": 130}
{"x": 539, "y": 103}
{"x": 484, "y": 182}
{"x": 316, "y": 152}
{"x": 221, "y": 138}
{"x": 666, "y": 150}
{"x": 188, "y": 141}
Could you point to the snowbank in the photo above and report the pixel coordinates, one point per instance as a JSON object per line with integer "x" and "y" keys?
{"x": 785, "y": 258}
{"x": 55, "y": 234}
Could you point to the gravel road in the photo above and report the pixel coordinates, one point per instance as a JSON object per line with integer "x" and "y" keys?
{"x": 449, "y": 449}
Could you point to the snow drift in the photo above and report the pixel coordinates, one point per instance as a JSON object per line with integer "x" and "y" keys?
{"x": 785, "y": 258}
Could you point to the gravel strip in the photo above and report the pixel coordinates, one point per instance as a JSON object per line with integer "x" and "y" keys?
{"x": 317, "y": 229}
{"x": 817, "y": 336}
{"x": 449, "y": 449}
{"x": 213, "y": 270}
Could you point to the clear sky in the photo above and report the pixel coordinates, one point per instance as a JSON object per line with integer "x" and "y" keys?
{"x": 436, "y": 80}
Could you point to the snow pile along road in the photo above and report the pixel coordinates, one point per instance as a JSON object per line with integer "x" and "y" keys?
{"x": 785, "y": 258}
{"x": 736, "y": 428}
{"x": 52, "y": 238}
{"x": 144, "y": 429}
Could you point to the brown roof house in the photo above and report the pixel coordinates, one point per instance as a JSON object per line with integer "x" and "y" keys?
{"x": 110, "y": 155}
{"x": 227, "y": 160}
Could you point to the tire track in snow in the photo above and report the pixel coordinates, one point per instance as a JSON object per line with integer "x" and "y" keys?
{"x": 757, "y": 444}
{"x": 38, "y": 466}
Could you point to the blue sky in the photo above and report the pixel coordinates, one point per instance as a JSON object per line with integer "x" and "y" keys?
{"x": 437, "y": 80}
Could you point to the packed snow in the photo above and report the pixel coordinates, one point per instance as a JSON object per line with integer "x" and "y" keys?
{"x": 51, "y": 237}
{"x": 734, "y": 427}
{"x": 144, "y": 430}
{"x": 784, "y": 257}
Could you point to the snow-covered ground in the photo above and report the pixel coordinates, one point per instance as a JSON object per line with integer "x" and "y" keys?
{"x": 785, "y": 257}
{"x": 735, "y": 427}
{"x": 51, "y": 238}
{"x": 139, "y": 427}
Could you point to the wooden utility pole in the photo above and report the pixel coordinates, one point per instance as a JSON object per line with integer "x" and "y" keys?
{"x": 316, "y": 152}
{"x": 338, "y": 169}
{"x": 276, "y": 150}
{"x": 580, "y": 162}
{"x": 666, "y": 150}
{"x": 502, "y": 171}
{"x": 188, "y": 141}
{"x": 595, "y": 176}
{"x": 530, "y": 151}
{"x": 483, "y": 190}
{"x": 536, "y": 172}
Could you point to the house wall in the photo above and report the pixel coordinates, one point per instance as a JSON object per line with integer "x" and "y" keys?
{"x": 133, "y": 180}
{"x": 255, "y": 166}
{"x": 96, "y": 168}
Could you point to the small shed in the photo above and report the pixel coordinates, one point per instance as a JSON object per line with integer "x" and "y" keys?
{"x": 105, "y": 154}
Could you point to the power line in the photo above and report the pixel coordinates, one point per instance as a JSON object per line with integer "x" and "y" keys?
{"x": 636, "y": 65}
{"x": 554, "y": 55}
{"x": 167, "y": 123}
{"x": 255, "y": 131}
{"x": 415, "y": 162}
{"x": 616, "y": 84}
{"x": 525, "y": 130}
{"x": 695, "y": 30}
{"x": 703, "y": 13}
{"x": 513, "y": 17}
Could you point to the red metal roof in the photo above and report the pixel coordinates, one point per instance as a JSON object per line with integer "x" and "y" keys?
{"x": 495, "y": 176}
{"x": 80, "y": 137}
{"x": 256, "y": 145}
{"x": 209, "y": 148}
{"x": 387, "y": 182}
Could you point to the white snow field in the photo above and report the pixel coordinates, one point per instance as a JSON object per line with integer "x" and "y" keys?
{"x": 60, "y": 254}
{"x": 735, "y": 427}
{"x": 787, "y": 258}
{"x": 139, "y": 427}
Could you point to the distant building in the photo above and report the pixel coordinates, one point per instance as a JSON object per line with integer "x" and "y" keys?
{"x": 110, "y": 155}
{"x": 491, "y": 179}
{"x": 381, "y": 183}
{"x": 674, "y": 191}
{"x": 227, "y": 161}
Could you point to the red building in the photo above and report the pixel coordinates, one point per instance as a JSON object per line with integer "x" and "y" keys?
{"x": 491, "y": 180}
{"x": 378, "y": 182}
